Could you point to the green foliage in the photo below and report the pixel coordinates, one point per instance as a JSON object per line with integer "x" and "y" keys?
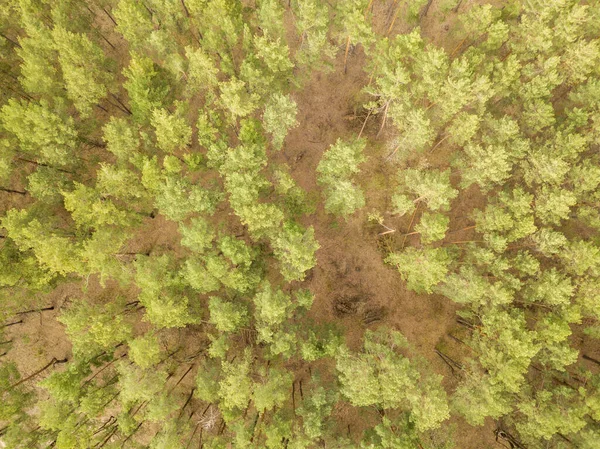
{"x": 279, "y": 117}
{"x": 432, "y": 227}
{"x": 172, "y": 131}
{"x": 295, "y": 248}
{"x": 551, "y": 412}
{"x": 93, "y": 328}
{"x": 421, "y": 268}
{"x": 236, "y": 99}
{"x": 137, "y": 384}
{"x": 338, "y": 164}
{"x": 201, "y": 73}
{"x": 54, "y": 253}
{"x": 312, "y": 23}
{"x": 162, "y": 293}
{"x": 175, "y": 196}
{"x": 272, "y": 308}
{"x": 235, "y": 386}
{"x": 121, "y": 138}
{"x": 505, "y": 348}
{"x": 118, "y": 118}
{"x": 146, "y": 87}
{"x": 198, "y": 236}
{"x": 507, "y": 218}
{"x": 90, "y": 209}
{"x": 227, "y": 316}
{"x": 55, "y": 138}
{"x": 381, "y": 376}
{"x": 273, "y": 390}
{"x": 145, "y": 351}
{"x": 84, "y": 69}
{"x": 352, "y": 22}
{"x": 430, "y": 186}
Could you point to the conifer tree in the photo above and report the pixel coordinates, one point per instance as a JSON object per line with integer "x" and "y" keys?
{"x": 338, "y": 164}
{"x": 84, "y": 67}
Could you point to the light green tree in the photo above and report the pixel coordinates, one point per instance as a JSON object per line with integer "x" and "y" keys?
{"x": 93, "y": 328}
{"x": 352, "y": 25}
{"x": 272, "y": 390}
{"x": 432, "y": 187}
{"x": 272, "y": 308}
{"x": 432, "y": 227}
{"x": 235, "y": 386}
{"x": 172, "y": 130}
{"x": 227, "y": 316}
{"x": 198, "y": 235}
{"x": 134, "y": 22}
{"x": 279, "y": 117}
{"x": 422, "y": 268}
{"x": 236, "y": 99}
{"x": 85, "y": 69}
{"x": 337, "y": 166}
{"x": 145, "y": 350}
{"x": 381, "y": 375}
{"x": 295, "y": 248}
{"x": 146, "y": 86}
{"x": 312, "y": 23}
{"x": 55, "y": 138}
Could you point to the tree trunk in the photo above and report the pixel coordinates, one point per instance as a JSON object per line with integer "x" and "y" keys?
{"x": 425, "y": 10}
{"x": 15, "y": 43}
{"x": 455, "y": 9}
{"x": 43, "y": 309}
{"x": 132, "y": 433}
{"x": 125, "y": 108}
{"x": 107, "y": 365}
{"x": 109, "y": 437}
{"x": 591, "y": 359}
{"x": 195, "y": 428}
{"x": 182, "y": 377}
{"x": 11, "y": 324}
{"x": 43, "y": 165}
{"x": 19, "y": 192}
{"x": 187, "y": 401}
{"x": 53, "y": 362}
{"x": 346, "y": 55}
{"x": 187, "y": 12}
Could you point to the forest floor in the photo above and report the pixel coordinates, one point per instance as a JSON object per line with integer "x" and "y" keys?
{"x": 352, "y": 285}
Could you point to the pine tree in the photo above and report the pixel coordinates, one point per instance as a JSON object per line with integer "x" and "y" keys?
{"x": 134, "y": 22}
{"x": 272, "y": 308}
{"x": 352, "y": 25}
{"x": 202, "y": 74}
{"x": 198, "y": 236}
{"x": 421, "y": 268}
{"x": 227, "y": 316}
{"x": 295, "y": 248}
{"x": 55, "y": 138}
{"x": 94, "y": 328}
{"x": 432, "y": 227}
{"x": 235, "y": 386}
{"x": 432, "y": 187}
{"x": 146, "y": 86}
{"x": 145, "y": 351}
{"x": 162, "y": 293}
{"x": 312, "y": 20}
{"x": 172, "y": 131}
{"x": 272, "y": 391}
{"x": 85, "y": 69}
{"x": 382, "y": 376}
{"x": 279, "y": 117}
{"x": 338, "y": 164}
